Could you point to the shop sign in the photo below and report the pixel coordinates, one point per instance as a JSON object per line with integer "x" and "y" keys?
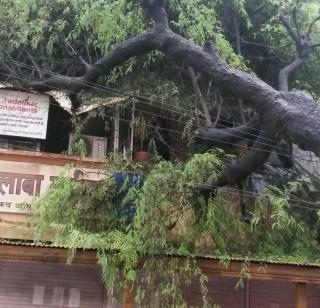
{"x": 21, "y": 183}
{"x": 23, "y": 114}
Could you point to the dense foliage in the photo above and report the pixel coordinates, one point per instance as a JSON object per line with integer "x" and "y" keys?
{"x": 172, "y": 218}
{"x": 170, "y": 222}
{"x": 53, "y": 31}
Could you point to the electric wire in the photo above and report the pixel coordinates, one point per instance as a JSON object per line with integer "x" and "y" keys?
{"x": 231, "y": 190}
{"x": 117, "y": 92}
{"x": 247, "y": 192}
{"x": 185, "y": 122}
{"x": 114, "y": 91}
{"x": 200, "y": 137}
{"x": 111, "y": 90}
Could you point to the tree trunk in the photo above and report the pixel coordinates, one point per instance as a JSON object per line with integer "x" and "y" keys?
{"x": 292, "y": 115}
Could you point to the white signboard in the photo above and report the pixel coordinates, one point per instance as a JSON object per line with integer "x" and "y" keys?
{"x": 23, "y": 114}
{"x": 22, "y": 182}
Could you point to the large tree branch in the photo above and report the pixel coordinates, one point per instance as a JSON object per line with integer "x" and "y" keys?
{"x": 301, "y": 128}
{"x": 205, "y": 60}
{"x": 312, "y": 24}
{"x": 287, "y": 71}
{"x": 231, "y": 135}
{"x": 304, "y": 46}
{"x": 132, "y": 47}
{"x": 293, "y": 32}
{"x": 297, "y": 119}
{"x": 239, "y": 169}
{"x": 272, "y": 106}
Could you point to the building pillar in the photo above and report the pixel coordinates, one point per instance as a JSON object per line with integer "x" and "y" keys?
{"x": 301, "y": 300}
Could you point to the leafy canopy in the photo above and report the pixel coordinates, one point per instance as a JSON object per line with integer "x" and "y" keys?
{"x": 169, "y": 222}
{"x": 169, "y": 219}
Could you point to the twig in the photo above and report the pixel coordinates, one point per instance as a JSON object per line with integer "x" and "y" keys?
{"x": 35, "y": 64}
{"x": 312, "y": 24}
{"x": 171, "y": 149}
{"x": 218, "y": 113}
{"x": 203, "y": 102}
{"x": 296, "y": 26}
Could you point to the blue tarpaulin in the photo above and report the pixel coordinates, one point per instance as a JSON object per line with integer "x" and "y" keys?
{"x": 124, "y": 182}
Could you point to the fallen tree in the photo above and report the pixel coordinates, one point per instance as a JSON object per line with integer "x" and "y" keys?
{"x": 281, "y": 114}
{"x": 166, "y": 205}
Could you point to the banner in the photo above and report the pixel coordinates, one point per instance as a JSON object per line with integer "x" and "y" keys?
{"x": 23, "y": 114}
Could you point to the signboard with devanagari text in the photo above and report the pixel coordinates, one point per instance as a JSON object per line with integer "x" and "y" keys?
{"x": 22, "y": 182}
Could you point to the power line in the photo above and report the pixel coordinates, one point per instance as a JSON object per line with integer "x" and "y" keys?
{"x": 200, "y": 137}
{"x": 203, "y": 138}
{"x": 249, "y": 194}
{"x": 114, "y": 91}
{"x": 147, "y": 101}
{"x": 98, "y": 86}
{"x": 117, "y": 92}
{"x": 212, "y": 187}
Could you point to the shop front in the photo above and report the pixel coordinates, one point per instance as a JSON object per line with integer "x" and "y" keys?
{"x": 36, "y": 274}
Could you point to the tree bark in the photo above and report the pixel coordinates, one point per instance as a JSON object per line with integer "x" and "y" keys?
{"x": 239, "y": 169}
{"x": 293, "y": 115}
{"x": 248, "y": 131}
{"x": 287, "y": 71}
